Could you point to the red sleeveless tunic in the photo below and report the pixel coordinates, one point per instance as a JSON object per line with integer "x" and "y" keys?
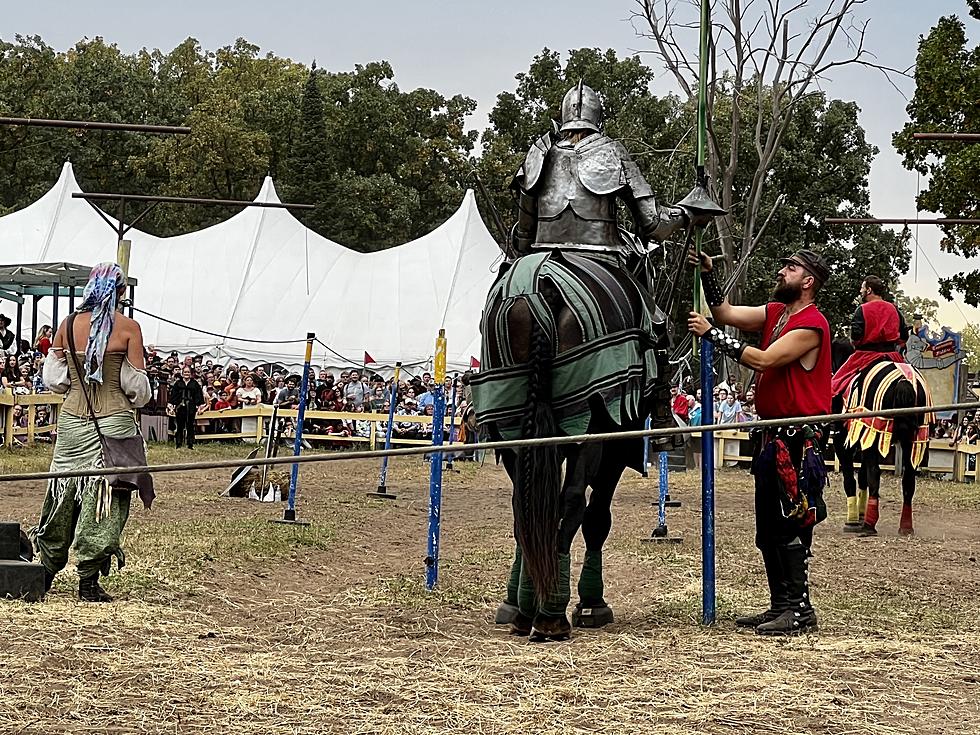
{"x": 792, "y": 390}
{"x": 881, "y": 327}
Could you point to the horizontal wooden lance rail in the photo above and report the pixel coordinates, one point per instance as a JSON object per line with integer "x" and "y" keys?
{"x": 959, "y": 137}
{"x": 108, "y": 197}
{"x": 36, "y": 122}
{"x": 879, "y": 221}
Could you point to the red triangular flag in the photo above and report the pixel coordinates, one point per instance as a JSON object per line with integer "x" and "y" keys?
{"x": 367, "y": 358}
{"x": 474, "y": 363}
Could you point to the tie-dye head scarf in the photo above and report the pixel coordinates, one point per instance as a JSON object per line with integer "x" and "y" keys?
{"x": 100, "y": 297}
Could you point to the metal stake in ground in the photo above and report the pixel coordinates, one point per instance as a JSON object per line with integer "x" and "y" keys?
{"x": 646, "y": 449}
{"x": 435, "y": 466}
{"x": 659, "y": 534}
{"x": 289, "y": 515}
{"x": 452, "y": 426}
{"x": 382, "y": 491}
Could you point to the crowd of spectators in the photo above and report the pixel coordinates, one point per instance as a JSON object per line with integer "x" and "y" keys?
{"x": 353, "y": 391}
{"x": 732, "y": 404}
{"x": 234, "y": 385}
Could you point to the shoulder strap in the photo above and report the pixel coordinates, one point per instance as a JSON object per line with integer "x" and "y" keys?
{"x": 70, "y": 334}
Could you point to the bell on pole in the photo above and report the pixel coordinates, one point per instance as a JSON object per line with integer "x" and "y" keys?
{"x": 699, "y": 202}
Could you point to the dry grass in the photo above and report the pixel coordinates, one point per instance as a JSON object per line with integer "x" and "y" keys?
{"x": 226, "y": 622}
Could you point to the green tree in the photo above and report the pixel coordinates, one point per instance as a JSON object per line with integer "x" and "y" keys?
{"x": 912, "y": 305}
{"x": 970, "y": 341}
{"x": 947, "y": 87}
{"x": 820, "y": 167}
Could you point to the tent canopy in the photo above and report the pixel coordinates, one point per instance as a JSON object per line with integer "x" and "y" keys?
{"x": 262, "y": 280}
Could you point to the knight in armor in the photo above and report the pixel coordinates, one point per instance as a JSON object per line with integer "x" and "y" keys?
{"x": 877, "y": 330}
{"x": 568, "y": 235}
{"x": 568, "y": 188}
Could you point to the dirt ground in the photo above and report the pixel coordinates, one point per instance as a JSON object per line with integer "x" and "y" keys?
{"x": 225, "y": 622}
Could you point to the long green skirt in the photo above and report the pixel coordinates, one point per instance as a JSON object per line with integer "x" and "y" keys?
{"x": 83, "y": 510}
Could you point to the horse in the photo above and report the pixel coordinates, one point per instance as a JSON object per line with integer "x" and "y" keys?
{"x": 570, "y": 347}
{"x": 884, "y": 384}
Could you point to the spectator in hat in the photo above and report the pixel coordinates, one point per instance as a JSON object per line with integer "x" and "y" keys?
{"x": 8, "y": 343}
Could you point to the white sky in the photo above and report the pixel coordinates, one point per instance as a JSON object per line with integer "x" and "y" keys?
{"x": 475, "y": 48}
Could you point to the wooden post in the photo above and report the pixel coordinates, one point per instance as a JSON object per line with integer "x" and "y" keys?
{"x": 31, "y": 415}
{"x": 8, "y": 426}
{"x": 122, "y": 255}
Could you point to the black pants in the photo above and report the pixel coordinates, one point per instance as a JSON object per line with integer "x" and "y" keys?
{"x": 185, "y": 425}
{"x": 772, "y": 527}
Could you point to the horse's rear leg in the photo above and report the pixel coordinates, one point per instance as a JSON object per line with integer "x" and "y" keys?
{"x": 909, "y": 472}
{"x": 870, "y": 460}
{"x": 509, "y": 611}
{"x": 592, "y": 611}
{"x": 581, "y": 464}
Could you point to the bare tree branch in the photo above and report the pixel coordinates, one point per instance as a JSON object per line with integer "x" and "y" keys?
{"x": 768, "y": 56}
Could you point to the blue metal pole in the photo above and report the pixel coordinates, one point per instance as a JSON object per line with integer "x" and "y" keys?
{"x": 289, "y": 514}
{"x": 707, "y": 486}
{"x": 452, "y": 425}
{"x": 435, "y": 492}
{"x": 662, "y": 513}
{"x": 646, "y": 449}
{"x": 382, "y": 491}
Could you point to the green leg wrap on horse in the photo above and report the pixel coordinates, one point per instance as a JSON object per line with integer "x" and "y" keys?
{"x": 557, "y": 602}
{"x": 526, "y": 601}
{"x": 590, "y": 589}
{"x": 514, "y": 583}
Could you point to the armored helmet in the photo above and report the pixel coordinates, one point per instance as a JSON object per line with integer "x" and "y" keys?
{"x": 581, "y": 109}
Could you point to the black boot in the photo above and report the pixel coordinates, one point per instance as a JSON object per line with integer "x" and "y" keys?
{"x": 48, "y": 580}
{"x": 800, "y": 616}
{"x": 778, "y": 601}
{"x": 89, "y": 590}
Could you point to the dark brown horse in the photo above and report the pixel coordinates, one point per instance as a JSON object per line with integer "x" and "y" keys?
{"x": 565, "y": 381}
{"x": 879, "y": 385}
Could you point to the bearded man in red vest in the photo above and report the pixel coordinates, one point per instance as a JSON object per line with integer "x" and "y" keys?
{"x": 877, "y": 329}
{"x": 794, "y": 369}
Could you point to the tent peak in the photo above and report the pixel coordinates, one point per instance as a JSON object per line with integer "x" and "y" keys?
{"x": 268, "y": 192}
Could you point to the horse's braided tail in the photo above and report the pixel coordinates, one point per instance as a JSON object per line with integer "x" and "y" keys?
{"x": 538, "y": 483}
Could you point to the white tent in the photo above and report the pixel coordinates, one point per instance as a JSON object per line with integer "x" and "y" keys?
{"x": 262, "y": 276}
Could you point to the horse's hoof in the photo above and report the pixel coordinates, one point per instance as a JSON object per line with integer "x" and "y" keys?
{"x": 550, "y": 628}
{"x": 521, "y": 625}
{"x": 906, "y": 532}
{"x": 867, "y": 530}
{"x": 506, "y": 614}
{"x": 853, "y": 527}
{"x": 592, "y": 617}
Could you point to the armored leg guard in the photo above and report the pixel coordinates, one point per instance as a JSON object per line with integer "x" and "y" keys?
{"x": 862, "y": 501}
{"x": 778, "y": 601}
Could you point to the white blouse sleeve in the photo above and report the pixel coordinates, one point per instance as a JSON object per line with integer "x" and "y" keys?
{"x": 135, "y": 384}
{"x": 54, "y": 373}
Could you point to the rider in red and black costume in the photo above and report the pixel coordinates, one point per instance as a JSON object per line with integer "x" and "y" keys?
{"x": 877, "y": 329}
{"x": 794, "y": 369}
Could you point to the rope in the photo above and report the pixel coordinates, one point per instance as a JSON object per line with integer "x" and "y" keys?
{"x": 216, "y": 334}
{"x": 240, "y": 339}
{"x": 507, "y": 444}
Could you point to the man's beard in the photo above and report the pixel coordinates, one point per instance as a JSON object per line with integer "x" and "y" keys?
{"x": 787, "y": 293}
